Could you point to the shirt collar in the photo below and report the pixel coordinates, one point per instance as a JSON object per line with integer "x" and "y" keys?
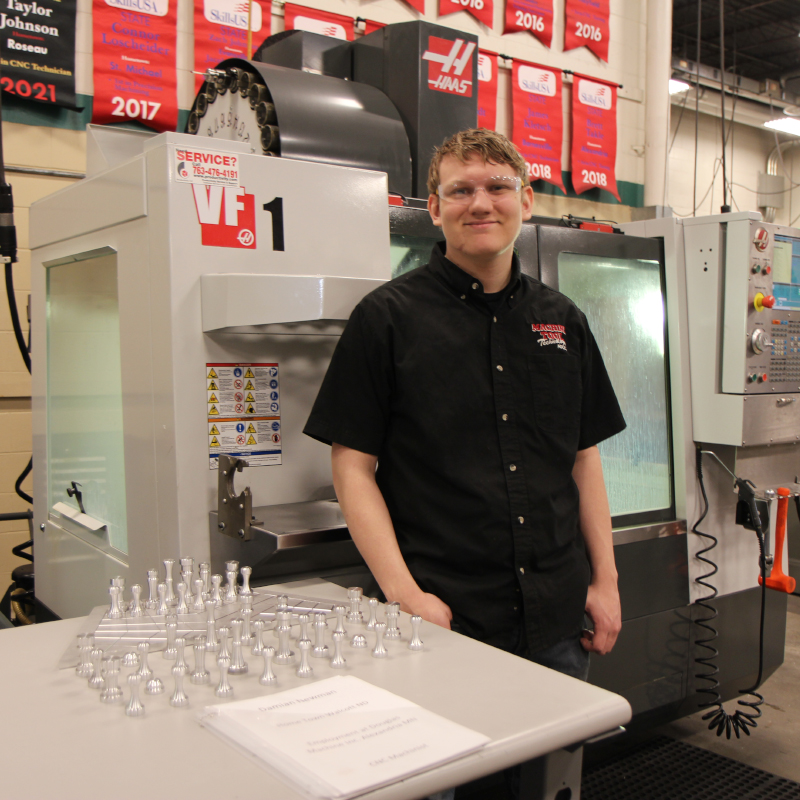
{"x": 462, "y": 283}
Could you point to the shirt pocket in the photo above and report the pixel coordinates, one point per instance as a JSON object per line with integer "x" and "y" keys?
{"x": 556, "y": 384}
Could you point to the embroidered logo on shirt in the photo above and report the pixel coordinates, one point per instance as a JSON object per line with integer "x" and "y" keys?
{"x": 550, "y": 334}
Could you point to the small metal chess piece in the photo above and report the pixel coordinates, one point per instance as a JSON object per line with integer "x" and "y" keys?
{"x": 245, "y": 589}
{"x": 224, "y": 688}
{"x": 163, "y": 605}
{"x": 135, "y": 609}
{"x": 416, "y": 642}
{"x": 152, "y": 586}
{"x": 320, "y": 648}
{"x": 199, "y": 603}
{"x": 338, "y": 660}
{"x": 379, "y": 651}
{"x": 170, "y": 651}
{"x": 392, "y": 616}
{"x": 144, "y": 671}
{"x": 112, "y": 693}
{"x": 257, "y": 647}
{"x": 304, "y": 670}
{"x": 168, "y": 564}
{"x": 339, "y": 611}
{"x": 354, "y": 595}
{"x": 96, "y": 679}
{"x": 238, "y": 665}
{"x": 115, "y": 611}
{"x": 200, "y": 674}
{"x": 268, "y": 676}
{"x": 216, "y": 596}
{"x": 179, "y": 697}
{"x": 373, "y": 613}
{"x": 359, "y": 641}
{"x": 86, "y": 644}
{"x": 134, "y": 707}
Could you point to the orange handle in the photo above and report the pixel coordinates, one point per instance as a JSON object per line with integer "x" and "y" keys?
{"x": 778, "y": 580}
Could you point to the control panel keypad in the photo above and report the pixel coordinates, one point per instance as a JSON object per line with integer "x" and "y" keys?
{"x": 784, "y": 363}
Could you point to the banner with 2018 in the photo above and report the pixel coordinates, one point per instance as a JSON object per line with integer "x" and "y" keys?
{"x": 37, "y": 50}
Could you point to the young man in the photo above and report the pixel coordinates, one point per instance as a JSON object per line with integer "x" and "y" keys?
{"x": 464, "y": 404}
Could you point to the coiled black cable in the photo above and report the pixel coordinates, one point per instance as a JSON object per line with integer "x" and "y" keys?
{"x": 743, "y": 718}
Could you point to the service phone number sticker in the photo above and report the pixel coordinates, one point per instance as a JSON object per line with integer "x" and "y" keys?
{"x": 206, "y": 166}
{"x": 244, "y": 413}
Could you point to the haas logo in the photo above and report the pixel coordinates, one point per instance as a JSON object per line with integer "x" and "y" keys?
{"x": 449, "y": 65}
{"x": 761, "y": 240}
{"x": 227, "y": 216}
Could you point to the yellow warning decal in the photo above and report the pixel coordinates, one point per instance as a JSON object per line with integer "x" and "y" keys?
{"x": 249, "y": 386}
{"x": 214, "y": 441}
{"x": 214, "y": 431}
{"x": 213, "y": 398}
{"x": 249, "y": 373}
{"x": 212, "y": 387}
{"x": 249, "y": 398}
{"x": 212, "y": 412}
{"x": 211, "y": 373}
{"x": 251, "y": 440}
{"x": 250, "y": 410}
{"x": 250, "y": 428}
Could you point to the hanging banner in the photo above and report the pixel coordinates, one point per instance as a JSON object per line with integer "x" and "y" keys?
{"x": 482, "y": 10}
{"x": 594, "y": 135}
{"x": 487, "y": 90}
{"x": 418, "y": 5}
{"x": 37, "y": 51}
{"x": 534, "y": 16}
{"x": 134, "y": 62}
{"x": 316, "y": 21}
{"x": 587, "y": 26}
{"x": 220, "y": 31}
{"x": 538, "y": 120}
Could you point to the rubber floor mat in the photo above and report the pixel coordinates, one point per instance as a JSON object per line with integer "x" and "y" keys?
{"x": 664, "y": 769}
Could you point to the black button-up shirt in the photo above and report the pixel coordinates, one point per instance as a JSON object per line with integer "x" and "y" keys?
{"x": 476, "y": 412}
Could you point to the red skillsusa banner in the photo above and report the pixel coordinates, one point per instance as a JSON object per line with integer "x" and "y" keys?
{"x": 594, "y": 135}
{"x": 534, "y": 16}
{"x": 538, "y": 120}
{"x": 487, "y": 90}
{"x": 220, "y": 31}
{"x": 482, "y": 10}
{"x": 315, "y": 21}
{"x": 587, "y": 26}
{"x": 134, "y": 62}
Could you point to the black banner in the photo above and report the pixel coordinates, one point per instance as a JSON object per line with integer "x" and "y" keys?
{"x": 37, "y": 50}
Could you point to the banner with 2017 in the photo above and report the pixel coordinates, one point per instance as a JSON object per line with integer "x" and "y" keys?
{"x": 37, "y": 50}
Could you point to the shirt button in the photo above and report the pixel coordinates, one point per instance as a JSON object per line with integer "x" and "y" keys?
{"x": 522, "y": 570}
{"x": 494, "y": 319}
{"x": 474, "y": 285}
{"x": 513, "y": 468}
{"x": 516, "y": 608}
{"x": 521, "y": 520}
{"x": 463, "y": 297}
{"x": 505, "y": 417}
{"x": 499, "y": 367}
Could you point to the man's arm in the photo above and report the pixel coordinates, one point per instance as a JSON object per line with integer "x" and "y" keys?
{"x": 602, "y": 600}
{"x": 372, "y": 530}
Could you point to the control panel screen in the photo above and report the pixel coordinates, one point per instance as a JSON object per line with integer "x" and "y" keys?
{"x": 786, "y": 273}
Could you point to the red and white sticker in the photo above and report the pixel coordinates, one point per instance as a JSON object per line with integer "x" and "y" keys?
{"x": 206, "y": 167}
{"x": 227, "y": 216}
{"x": 450, "y": 65}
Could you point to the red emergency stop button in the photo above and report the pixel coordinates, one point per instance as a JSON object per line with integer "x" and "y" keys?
{"x": 762, "y": 301}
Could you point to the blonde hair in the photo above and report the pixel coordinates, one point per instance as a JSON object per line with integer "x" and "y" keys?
{"x": 492, "y": 147}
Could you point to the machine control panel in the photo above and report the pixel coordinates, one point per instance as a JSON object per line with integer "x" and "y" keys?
{"x": 772, "y": 360}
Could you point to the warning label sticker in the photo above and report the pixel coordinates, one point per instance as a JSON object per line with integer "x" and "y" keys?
{"x": 243, "y": 413}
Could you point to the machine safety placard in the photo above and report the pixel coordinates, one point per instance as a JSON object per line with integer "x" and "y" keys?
{"x": 244, "y": 419}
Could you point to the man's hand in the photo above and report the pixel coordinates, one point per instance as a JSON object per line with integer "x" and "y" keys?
{"x": 603, "y": 608}
{"x": 430, "y": 608}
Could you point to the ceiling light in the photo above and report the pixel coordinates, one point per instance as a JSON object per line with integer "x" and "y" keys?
{"x": 676, "y": 87}
{"x": 785, "y": 125}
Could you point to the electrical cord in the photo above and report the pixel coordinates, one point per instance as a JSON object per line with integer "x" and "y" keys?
{"x": 743, "y": 718}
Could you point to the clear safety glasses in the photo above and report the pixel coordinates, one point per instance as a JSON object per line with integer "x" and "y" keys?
{"x": 495, "y": 189}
